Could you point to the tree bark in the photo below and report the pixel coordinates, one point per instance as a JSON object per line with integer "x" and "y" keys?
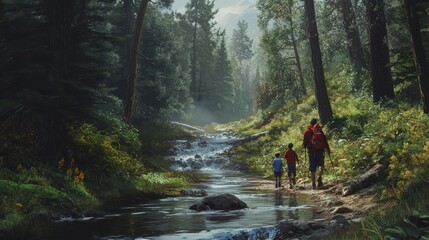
{"x": 324, "y": 106}
{"x": 353, "y": 39}
{"x": 127, "y": 31}
{"x": 133, "y": 60}
{"x": 297, "y": 57}
{"x": 381, "y": 75}
{"x": 419, "y": 52}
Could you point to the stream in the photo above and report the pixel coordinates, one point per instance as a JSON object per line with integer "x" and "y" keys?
{"x": 171, "y": 218}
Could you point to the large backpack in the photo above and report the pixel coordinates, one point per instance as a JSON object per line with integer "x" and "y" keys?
{"x": 318, "y": 138}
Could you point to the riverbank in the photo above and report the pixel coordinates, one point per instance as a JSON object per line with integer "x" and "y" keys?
{"x": 329, "y": 199}
{"x": 334, "y": 212}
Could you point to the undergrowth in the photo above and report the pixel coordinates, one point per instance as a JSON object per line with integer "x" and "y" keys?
{"x": 104, "y": 166}
{"x": 362, "y": 133}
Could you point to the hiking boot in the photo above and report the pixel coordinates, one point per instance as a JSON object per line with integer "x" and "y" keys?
{"x": 293, "y": 180}
{"x": 319, "y": 182}
{"x": 314, "y": 186}
{"x": 291, "y": 186}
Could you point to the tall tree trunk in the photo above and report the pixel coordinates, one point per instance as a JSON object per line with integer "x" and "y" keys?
{"x": 127, "y": 30}
{"x": 324, "y": 106}
{"x": 353, "y": 40}
{"x": 194, "y": 84}
{"x": 133, "y": 60}
{"x": 381, "y": 75}
{"x": 419, "y": 52}
{"x": 297, "y": 57}
{"x": 60, "y": 16}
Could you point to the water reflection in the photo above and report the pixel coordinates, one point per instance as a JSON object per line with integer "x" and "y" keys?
{"x": 293, "y": 210}
{"x": 170, "y": 218}
{"x": 278, "y": 201}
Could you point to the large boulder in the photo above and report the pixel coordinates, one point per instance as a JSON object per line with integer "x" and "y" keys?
{"x": 377, "y": 173}
{"x": 224, "y": 202}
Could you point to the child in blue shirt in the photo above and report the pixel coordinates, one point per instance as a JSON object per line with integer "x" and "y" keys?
{"x": 278, "y": 167}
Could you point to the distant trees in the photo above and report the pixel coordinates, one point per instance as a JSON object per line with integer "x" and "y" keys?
{"x": 241, "y": 44}
{"x": 223, "y": 83}
{"x": 163, "y": 81}
{"x": 280, "y": 40}
{"x": 198, "y": 22}
{"x": 354, "y": 45}
{"x": 241, "y": 52}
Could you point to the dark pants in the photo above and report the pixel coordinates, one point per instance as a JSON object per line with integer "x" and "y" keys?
{"x": 316, "y": 159}
{"x": 291, "y": 170}
{"x": 278, "y": 176}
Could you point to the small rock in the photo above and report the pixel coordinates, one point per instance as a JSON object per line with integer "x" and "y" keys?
{"x": 338, "y": 218}
{"x": 341, "y": 210}
{"x": 202, "y": 143}
{"x": 334, "y": 202}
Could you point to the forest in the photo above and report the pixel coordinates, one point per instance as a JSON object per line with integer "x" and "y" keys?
{"x": 90, "y": 88}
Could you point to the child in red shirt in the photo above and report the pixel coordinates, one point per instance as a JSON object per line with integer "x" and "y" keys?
{"x": 291, "y": 159}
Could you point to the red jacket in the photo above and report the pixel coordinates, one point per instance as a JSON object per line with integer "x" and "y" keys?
{"x": 291, "y": 156}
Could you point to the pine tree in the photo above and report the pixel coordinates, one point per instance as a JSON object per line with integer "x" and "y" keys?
{"x": 241, "y": 48}
{"x": 223, "y": 89}
{"x": 162, "y": 90}
{"x": 54, "y": 68}
{"x": 198, "y": 22}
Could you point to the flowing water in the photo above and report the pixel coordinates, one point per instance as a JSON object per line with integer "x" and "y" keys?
{"x": 171, "y": 218}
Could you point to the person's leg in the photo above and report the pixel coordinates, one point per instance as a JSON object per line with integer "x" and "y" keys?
{"x": 320, "y": 162}
{"x": 312, "y": 167}
{"x": 313, "y": 180}
{"x": 294, "y": 176}
{"x": 276, "y": 177}
{"x": 292, "y": 173}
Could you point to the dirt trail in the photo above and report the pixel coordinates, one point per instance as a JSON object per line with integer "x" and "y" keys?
{"x": 330, "y": 202}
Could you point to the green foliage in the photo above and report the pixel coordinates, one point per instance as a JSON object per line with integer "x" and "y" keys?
{"x": 19, "y": 199}
{"x": 161, "y": 183}
{"x": 361, "y": 134}
{"x": 99, "y": 156}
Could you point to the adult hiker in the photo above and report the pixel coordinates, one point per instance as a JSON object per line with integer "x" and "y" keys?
{"x": 278, "y": 169}
{"x": 316, "y": 143}
{"x": 292, "y": 160}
